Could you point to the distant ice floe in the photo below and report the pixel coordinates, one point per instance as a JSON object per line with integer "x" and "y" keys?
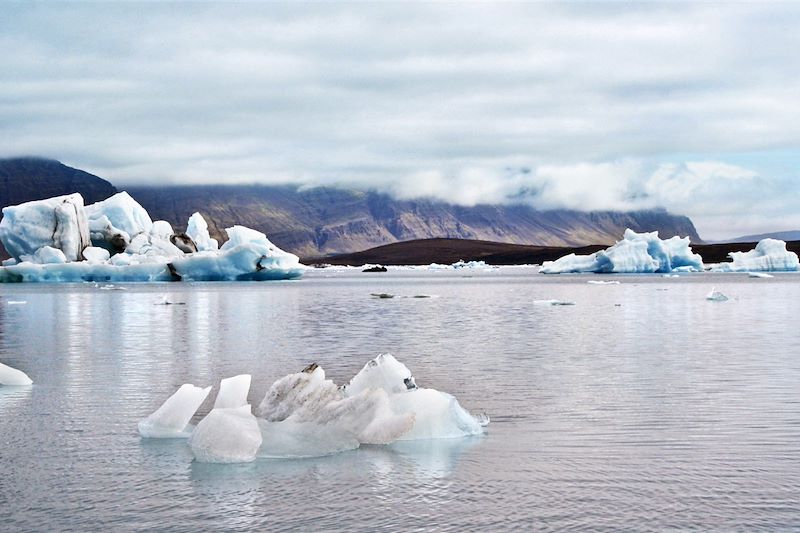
{"x": 715, "y": 296}
{"x": 13, "y": 377}
{"x": 769, "y": 255}
{"x": 307, "y": 415}
{"x": 553, "y": 302}
{"x": 59, "y": 239}
{"x": 635, "y": 253}
{"x": 602, "y": 282}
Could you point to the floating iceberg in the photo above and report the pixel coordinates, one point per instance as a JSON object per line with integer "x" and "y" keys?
{"x": 635, "y": 253}
{"x": 715, "y": 296}
{"x": 759, "y": 275}
{"x": 769, "y": 255}
{"x": 305, "y": 415}
{"x": 171, "y": 420}
{"x": 115, "y": 240}
{"x": 12, "y": 376}
{"x": 602, "y": 282}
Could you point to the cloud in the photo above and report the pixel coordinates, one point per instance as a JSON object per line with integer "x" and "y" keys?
{"x": 607, "y": 106}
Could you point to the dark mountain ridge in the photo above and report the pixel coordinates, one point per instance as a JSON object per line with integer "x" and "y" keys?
{"x": 326, "y": 220}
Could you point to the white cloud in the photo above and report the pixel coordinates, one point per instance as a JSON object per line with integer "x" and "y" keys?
{"x": 418, "y": 99}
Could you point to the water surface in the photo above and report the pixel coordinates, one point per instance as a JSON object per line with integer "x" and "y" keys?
{"x": 642, "y": 407}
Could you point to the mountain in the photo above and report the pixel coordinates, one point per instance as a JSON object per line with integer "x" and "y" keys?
{"x": 321, "y": 221}
{"x": 781, "y": 235}
{"x": 23, "y": 179}
{"x": 324, "y": 220}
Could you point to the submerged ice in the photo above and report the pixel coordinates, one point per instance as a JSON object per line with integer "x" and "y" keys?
{"x": 635, "y": 253}
{"x": 115, "y": 240}
{"x": 305, "y": 414}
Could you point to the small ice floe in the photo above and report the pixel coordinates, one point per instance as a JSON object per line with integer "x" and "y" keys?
{"x": 422, "y": 296}
{"x": 382, "y": 295}
{"x": 171, "y": 420}
{"x": 716, "y": 296}
{"x": 759, "y": 275}
{"x": 112, "y": 287}
{"x": 14, "y": 377}
{"x": 167, "y": 301}
{"x": 16, "y": 302}
{"x": 670, "y": 275}
{"x": 553, "y": 302}
{"x": 602, "y": 282}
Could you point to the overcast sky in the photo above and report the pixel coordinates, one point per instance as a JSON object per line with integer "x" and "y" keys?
{"x": 694, "y": 107}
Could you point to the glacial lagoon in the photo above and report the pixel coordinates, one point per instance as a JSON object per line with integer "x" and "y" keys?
{"x": 643, "y": 406}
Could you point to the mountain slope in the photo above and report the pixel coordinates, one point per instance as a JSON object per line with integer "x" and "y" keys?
{"x": 325, "y": 220}
{"x": 782, "y": 235}
{"x": 24, "y": 179}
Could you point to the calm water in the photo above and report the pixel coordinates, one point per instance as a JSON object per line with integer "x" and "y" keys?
{"x": 642, "y": 407}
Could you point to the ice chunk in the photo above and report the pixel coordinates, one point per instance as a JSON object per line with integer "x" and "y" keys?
{"x": 226, "y": 435}
{"x": 384, "y": 372}
{"x": 233, "y": 392}
{"x": 161, "y": 229}
{"x": 436, "y": 414}
{"x": 123, "y": 213}
{"x": 769, "y": 255}
{"x": 306, "y": 405}
{"x": 552, "y": 302}
{"x": 240, "y": 235}
{"x": 716, "y": 296}
{"x": 635, "y": 253}
{"x": 47, "y": 255}
{"x": 57, "y": 222}
{"x": 105, "y": 235}
{"x": 759, "y": 275}
{"x": 171, "y": 420}
{"x": 602, "y": 282}
{"x": 93, "y": 254}
{"x": 197, "y": 230}
{"x": 12, "y": 376}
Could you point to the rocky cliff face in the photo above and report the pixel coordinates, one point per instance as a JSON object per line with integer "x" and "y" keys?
{"x": 325, "y": 220}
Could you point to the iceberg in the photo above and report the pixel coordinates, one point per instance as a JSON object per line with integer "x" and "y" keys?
{"x": 171, "y": 420}
{"x": 58, "y": 223}
{"x": 12, "y": 376}
{"x": 229, "y": 433}
{"x": 58, "y": 240}
{"x": 307, "y": 415}
{"x": 769, "y": 255}
{"x": 635, "y": 253}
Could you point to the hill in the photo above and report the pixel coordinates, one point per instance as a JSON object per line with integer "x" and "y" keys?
{"x": 447, "y": 251}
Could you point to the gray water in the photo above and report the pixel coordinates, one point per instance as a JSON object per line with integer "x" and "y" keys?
{"x": 642, "y": 407}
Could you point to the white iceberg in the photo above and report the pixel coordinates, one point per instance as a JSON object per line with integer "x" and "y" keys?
{"x": 759, "y": 275}
{"x": 49, "y": 240}
{"x": 769, "y": 255}
{"x": 602, "y": 282}
{"x": 58, "y": 223}
{"x": 635, "y": 253}
{"x": 171, "y": 420}
{"x": 305, "y": 415}
{"x": 13, "y": 377}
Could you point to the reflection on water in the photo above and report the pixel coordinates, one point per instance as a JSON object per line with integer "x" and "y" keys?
{"x": 642, "y": 406}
